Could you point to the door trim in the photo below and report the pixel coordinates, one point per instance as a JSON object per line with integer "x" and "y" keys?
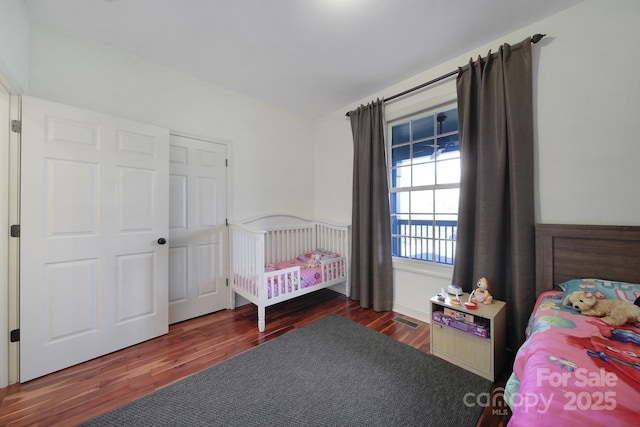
{"x": 14, "y": 243}
{"x": 9, "y": 262}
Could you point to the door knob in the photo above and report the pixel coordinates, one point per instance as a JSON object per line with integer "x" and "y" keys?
{"x": 162, "y": 241}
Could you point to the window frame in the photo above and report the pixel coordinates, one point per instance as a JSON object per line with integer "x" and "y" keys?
{"x": 432, "y": 267}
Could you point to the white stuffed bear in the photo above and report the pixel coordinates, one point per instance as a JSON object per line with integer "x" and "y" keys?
{"x": 612, "y": 311}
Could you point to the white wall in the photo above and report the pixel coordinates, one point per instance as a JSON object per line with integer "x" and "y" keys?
{"x": 14, "y": 44}
{"x": 588, "y": 110}
{"x": 74, "y": 71}
{"x": 586, "y": 90}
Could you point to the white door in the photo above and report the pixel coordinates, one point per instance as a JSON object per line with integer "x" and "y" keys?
{"x": 197, "y": 228}
{"x": 94, "y": 204}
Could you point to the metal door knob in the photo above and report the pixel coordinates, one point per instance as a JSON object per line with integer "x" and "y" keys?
{"x": 162, "y": 241}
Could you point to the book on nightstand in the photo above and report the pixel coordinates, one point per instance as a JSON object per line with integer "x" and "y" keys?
{"x": 478, "y": 329}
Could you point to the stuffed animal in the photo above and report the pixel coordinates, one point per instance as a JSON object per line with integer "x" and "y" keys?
{"x": 612, "y": 311}
{"x": 481, "y": 293}
{"x": 314, "y": 260}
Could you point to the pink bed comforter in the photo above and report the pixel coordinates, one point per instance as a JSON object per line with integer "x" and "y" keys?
{"x": 575, "y": 370}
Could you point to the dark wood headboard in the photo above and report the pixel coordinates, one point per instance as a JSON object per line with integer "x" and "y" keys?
{"x": 565, "y": 252}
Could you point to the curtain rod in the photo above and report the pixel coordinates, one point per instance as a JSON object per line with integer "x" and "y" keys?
{"x": 534, "y": 39}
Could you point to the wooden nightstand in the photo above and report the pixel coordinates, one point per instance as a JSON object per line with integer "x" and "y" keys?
{"x": 482, "y": 356}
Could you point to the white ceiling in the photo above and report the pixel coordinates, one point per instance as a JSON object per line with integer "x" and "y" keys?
{"x": 306, "y": 56}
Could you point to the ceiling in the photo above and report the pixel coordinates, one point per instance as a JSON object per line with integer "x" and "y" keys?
{"x": 309, "y": 57}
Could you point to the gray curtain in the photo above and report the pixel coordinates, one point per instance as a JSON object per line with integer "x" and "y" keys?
{"x": 371, "y": 274}
{"x": 495, "y": 236}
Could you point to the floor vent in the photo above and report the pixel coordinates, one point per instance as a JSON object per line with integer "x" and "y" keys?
{"x": 404, "y": 321}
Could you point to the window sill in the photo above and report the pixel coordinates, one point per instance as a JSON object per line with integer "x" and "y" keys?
{"x": 422, "y": 267}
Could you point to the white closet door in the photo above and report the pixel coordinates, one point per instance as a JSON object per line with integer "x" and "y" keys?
{"x": 94, "y": 204}
{"x": 197, "y": 229}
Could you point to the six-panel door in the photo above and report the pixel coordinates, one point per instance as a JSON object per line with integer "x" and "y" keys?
{"x": 94, "y": 203}
{"x": 197, "y": 228}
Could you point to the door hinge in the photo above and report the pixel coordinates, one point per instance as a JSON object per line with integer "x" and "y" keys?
{"x": 16, "y": 126}
{"x": 14, "y": 336}
{"x": 227, "y": 282}
{"x": 226, "y": 162}
{"x": 226, "y": 222}
{"x": 15, "y": 230}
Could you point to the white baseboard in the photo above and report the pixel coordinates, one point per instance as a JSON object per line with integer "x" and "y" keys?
{"x": 340, "y": 287}
{"x": 421, "y": 313}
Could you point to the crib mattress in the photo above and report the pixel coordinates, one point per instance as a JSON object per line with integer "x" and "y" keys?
{"x": 308, "y": 275}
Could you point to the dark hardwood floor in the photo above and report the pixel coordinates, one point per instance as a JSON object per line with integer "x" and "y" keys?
{"x": 79, "y": 393}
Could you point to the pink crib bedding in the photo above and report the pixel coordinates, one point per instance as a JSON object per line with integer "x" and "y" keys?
{"x": 575, "y": 370}
{"x": 310, "y": 272}
{"x": 309, "y": 275}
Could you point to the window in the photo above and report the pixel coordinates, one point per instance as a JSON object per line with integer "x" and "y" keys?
{"x": 424, "y": 166}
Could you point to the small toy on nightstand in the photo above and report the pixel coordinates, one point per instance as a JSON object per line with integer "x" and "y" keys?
{"x": 455, "y": 299}
{"x": 481, "y": 293}
{"x": 455, "y": 291}
{"x": 471, "y": 305}
{"x": 441, "y": 295}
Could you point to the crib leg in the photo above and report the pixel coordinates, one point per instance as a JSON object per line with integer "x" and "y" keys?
{"x": 261, "y": 318}
{"x": 232, "y": 300}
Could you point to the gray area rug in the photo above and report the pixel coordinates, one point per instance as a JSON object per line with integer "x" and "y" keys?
{"x": 332, "y": 372}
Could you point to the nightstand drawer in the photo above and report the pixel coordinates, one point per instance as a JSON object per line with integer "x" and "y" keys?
{"x": 466, "y": 348}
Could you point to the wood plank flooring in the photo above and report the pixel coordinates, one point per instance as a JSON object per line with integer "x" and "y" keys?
{"x": 79, "y": 393}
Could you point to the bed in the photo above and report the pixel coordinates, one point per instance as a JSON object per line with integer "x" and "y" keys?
{"x": 574, "y": 368}
{"x": 280, "y": 257}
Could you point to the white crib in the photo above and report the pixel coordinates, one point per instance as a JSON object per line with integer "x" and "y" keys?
{"x": 266, "y": 240}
